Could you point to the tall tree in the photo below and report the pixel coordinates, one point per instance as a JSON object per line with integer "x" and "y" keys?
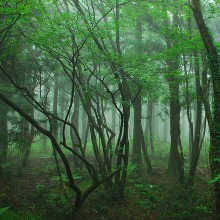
{"x": 176, "y": 161}
{"x": 214, "y": 116}
{"x": 3, "y": 132}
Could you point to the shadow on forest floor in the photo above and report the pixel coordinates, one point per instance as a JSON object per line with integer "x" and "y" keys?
{"x": 36, "y": 193}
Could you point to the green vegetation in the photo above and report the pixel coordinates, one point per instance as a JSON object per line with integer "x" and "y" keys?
{"x": 40, "y": 194}
{"x": 109, "y": 109}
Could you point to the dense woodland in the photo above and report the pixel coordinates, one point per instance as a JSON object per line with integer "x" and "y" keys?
{"x": 109, "y": 109}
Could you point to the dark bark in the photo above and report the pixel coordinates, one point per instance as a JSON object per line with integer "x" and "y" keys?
{"x": 174, "y": 124}
{"x": 176, "y": 160}
{"x": 146, "y": 132}
{"x": 114, "y": 112}
{"x": 75, "y": 121}
{"x": 45, "y": 122}
{"x": 3, "y": 133}
{"x": 62, "y": 110}
{"x": 137, "y": 102}
{"x": 84, "y": 126}
{"x": 196, "y": 139}
{"x": 146, "y": 157}
{"x": 213, "y": 120}
{"x": 55, "y": 127}
{"x": 150, "y": 123}
{"x": 136, "y": 153}
{"x": 122, "y": 152}
{"x": 85, "y": 134}
{"x": 165, "y": 126}
{"x": 188, "y": 109}
{"x": 28, "y": 131}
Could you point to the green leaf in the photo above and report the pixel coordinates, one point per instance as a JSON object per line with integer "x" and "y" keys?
{"x": 3, "y": 210}
{"x": 217, "y": 159}
{"x": 215, "y": 179}
{"x": 130, "y": 169}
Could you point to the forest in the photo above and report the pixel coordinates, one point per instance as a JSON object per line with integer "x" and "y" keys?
{"x": 109, "y": 109}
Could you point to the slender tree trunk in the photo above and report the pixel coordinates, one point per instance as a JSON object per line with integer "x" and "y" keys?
{"x": 123, "y": 152}
{"x": 75, "y": 121}
{"x": 151, "y": 130}
{"x": 188, "y": 109}
{"x": 214, "y": 118}
{"x": 55, "y": 107}
{"x": 176, "y": 160}
{"x": 28, "y": 131}
{"x": 183, "y": 134}
{"x": 196, "y": 145}
{"x": 62, "y": 109}
{"x": 146, "y": 157}
{"x": 113, "y": 123}
{"x": 137, "y": 126}
{"x": 174, "y": 125}
{"x": 165, "y": 126}
{"x": 3, "y": 133}
{"x": 155, "y": 120}
{"x": 136, "y": 154}
{"x": 146, "y": 133}
{"x": 85, "y": 133}
{"x": 84, "y": 126}
{"x": 45, "y": 123}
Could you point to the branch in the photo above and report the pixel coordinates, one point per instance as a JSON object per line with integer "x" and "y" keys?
{"x": 93, "y": 187}
{"x": 49, "y": 135}
{"x": 9, "y": 27}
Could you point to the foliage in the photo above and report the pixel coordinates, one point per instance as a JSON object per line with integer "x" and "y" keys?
{"x": 147, "y": 197}
{"x": 131, "y": 169}
{"x": 215, "y": 179}
{"x": 12, "y": 215}
{"x": 4, "y": 210}
{"x": 106, "y": 57}
{"x": 19, "y": 137}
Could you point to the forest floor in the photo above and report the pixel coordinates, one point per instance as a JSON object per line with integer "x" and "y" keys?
{"x": 36, "y": 193}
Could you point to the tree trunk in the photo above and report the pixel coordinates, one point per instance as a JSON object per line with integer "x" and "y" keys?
{"x": 45, "y": 123}
{"x": 155, "y": 120}
{"x": 150, "y": 120}
{"x": 196, "y": 145}
{"x": 176, "y": 160}
{"x": 55, "y": 108}
{"x": 146, "y": 132}
{"x": 213, "y": 119}
{"x": 183, "y": 133}
{"x": 165, "y": 126}
{"x": 136, "y": 154}
{"x": 75, "y": 121}
{"x": 113, "y": 123}
{"x": 174, "y": 125}
{"x": 146, "y": 157}
{"x": 28, "y": 130}
{"x": 62, "y": 109}
{"x": 3, "y": 133}
{"x": 175, "y": 165}
{"x": 85, "y": 134}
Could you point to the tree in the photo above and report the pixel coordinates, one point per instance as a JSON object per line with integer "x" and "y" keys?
{"x": 102, "y": 59}
{"x": 40, "y": 106}
{"x": 214, "y": 116}
{"x": 13, "y": 16}
{"x": 3, "y": 133}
